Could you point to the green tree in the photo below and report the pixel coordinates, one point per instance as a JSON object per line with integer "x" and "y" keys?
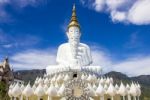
{"x": 3, "y": 91}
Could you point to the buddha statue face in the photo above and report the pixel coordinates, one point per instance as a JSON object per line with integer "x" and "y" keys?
{"x": 74, "y": 35}
{"x": 74, "y": 39}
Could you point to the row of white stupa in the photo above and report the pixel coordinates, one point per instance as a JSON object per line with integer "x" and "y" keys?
{"x": 52, "y": 88}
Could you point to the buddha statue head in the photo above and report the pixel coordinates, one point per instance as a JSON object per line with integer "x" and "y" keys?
{"x": 73, "y": 31}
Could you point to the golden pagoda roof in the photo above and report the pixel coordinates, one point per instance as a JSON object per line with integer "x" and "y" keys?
{"x": 74, "y": 21}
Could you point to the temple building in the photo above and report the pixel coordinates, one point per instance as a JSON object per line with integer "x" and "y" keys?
{"x": 6, "y": 74}
{"x": 74, "y": 77}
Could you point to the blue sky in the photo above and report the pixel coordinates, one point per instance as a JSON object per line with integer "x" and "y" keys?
{"x": 117, "y": 31}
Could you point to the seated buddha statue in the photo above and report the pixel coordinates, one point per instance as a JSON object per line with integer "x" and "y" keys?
{"x": 73, "y": 53}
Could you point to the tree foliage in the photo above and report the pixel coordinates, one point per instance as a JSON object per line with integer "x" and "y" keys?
{"x": 3, "y": 91}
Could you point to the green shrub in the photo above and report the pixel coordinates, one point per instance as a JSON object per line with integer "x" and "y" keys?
{"x": 3, "y": 91}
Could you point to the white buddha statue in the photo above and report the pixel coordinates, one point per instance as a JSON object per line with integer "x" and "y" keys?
{"x": 73, "y": 53}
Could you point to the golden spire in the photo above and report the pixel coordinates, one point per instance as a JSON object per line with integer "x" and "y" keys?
{"x": 74, "y": 21}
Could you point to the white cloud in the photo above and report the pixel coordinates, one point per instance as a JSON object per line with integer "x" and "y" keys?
{"x": 115, "y": 4}
{"x": 131, "y": 11}
{"x": 134, "y": 66}
{"x": 4, "y": 1}
{"x": 33, "y": 59}
{"x": 139, "y": 12}
{"x": 18, "y": 4}
{"x": 14, "y": 41}
{"x": 24, "y": 3}
{"x": 7, "y": 45}
{"x": 118, "y": 16}
{"x": 99, "y": 5}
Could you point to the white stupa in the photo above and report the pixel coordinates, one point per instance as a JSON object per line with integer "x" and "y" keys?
{"x": 74, "y": 78}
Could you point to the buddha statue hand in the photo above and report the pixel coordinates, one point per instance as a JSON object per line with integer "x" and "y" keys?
{"x": 83, "y": 56}
{"x": 74, "y": 62}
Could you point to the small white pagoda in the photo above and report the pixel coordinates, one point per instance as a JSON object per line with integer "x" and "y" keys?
{"x": 74, "y": 78}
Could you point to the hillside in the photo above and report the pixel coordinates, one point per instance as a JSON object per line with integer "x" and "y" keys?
{"x": 144, "y": 80}
{"x": 29, "y": 75}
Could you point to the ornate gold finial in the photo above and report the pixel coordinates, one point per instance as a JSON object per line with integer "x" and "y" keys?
{"x": 74, "y": 21}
